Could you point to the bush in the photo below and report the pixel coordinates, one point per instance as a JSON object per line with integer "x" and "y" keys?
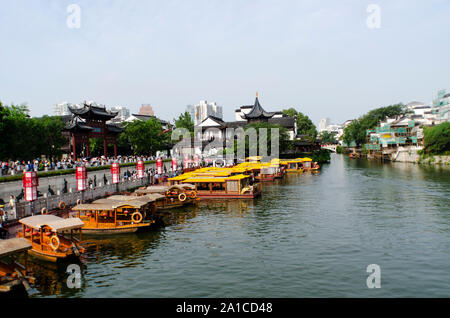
{"x": 437, "y": 139}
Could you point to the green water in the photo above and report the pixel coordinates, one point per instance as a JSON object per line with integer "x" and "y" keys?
{"x": 310, "y": 235}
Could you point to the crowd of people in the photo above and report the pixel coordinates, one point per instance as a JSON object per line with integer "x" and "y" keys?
{"x": 17, "y": 167}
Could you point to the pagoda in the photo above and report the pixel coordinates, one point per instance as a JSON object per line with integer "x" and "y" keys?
{"x": 257, "y": 113}
{"x": 88, "y": 122}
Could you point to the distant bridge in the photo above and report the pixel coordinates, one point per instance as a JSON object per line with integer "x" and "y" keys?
{"x": 330, "y": 147}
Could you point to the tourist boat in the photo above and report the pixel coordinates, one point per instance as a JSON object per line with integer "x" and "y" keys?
{"x": 46, "y": 235}
{"x": 309, "y": 165}
{"x": 236, "y": 186}
{"x": 116, "y": 214}
{"x": 174, "y": 196}
{"x": 353, "y": 155}
{"x": 293, "y": 165}
{"x": 268, "y": 172}
{"x": 14, "y": 277}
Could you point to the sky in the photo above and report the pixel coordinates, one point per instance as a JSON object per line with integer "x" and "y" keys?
{"x": 321, "y": 57}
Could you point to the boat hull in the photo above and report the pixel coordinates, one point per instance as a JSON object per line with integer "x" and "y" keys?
{"x": 112, "y": 231}
{"x": 228, "y": 195}
{"x": 51, "y": 258}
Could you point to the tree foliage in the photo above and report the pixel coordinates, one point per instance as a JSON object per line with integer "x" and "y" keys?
{"x": 356, "y": 130}
{"x": 25, "y": 138}
{"x": 185, "y": 121}
{"x": 304, "y": 125}
{"x": 145, "y": 137}
{"x": 327, "y": 137}
{"x": 253, "y": 148}
{"x": 437, "y": 139}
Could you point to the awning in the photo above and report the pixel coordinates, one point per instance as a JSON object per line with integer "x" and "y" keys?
{"x": 55, "y": 223}
{"x": 14, "y": 245}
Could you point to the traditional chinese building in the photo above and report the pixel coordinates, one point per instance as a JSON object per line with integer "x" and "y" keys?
{"x": 88, "y": 122}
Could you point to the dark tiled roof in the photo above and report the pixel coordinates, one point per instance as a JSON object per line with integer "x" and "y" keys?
{"x": 147, "y": 117}
{"x": 286, "y": 122}
{"x": 236, "y": 124}
{"x": 257, "y": 112}
{"x": 114, "y": 128}
{"x": 93, "y": 111}
{"x": 76, "y": 125}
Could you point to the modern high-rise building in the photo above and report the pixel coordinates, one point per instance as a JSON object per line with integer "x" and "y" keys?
{"x": 323, "y": 124}
{"x": 203, "y": 110}
{"x": 146, "y": 110}
{"x": 62, "y": 109}
{"x": 122, "y": 113}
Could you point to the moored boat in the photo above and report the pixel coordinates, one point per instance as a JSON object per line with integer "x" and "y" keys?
{"x": 174, "y": 196}
{"x": 236, "y": 187}
{"x": 14, "y": 277}
{"x": 116, "y": 214}
{"x": 46, "y": 235}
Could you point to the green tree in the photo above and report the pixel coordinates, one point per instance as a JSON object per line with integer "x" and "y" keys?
{"x": 17, "y": 134}
{"x": 49, "y": 133}
{"x": 437, "y": 139}
{"x": 253, "y": 148}
{"x": 327, "y": 137}
{"x": 304, "y": 125}
{"x": 356, "y": 130}
{"x": 185, "y": 121}
{"x": 146, "y": 137}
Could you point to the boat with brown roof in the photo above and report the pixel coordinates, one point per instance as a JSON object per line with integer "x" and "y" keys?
{"x": 46, "y": 233}
{"x": 117, "y": 214}
{"x": 14, "y": 277}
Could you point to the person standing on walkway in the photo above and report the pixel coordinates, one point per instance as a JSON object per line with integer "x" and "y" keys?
{"x": 12, "y": 206}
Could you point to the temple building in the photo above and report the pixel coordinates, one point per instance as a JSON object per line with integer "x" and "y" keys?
{"x": 245, "y": 115}
{"x": 88, "y": 122}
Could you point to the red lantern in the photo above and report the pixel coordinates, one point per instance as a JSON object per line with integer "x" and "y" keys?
{"x": 115, "y": 172}
{"x": 30, "y": 182}
{"x": 81, "y": 176}
{"x": 186, "y": 161}
{"x": 174, "y": 164}
{"x": 159, "y": 166}
{"x": 140, "y": 169}
{"x": 196, "y": 160}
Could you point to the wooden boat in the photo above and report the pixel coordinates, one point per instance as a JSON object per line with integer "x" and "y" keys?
{"x": 14, "y": 277}
{"x": 353, "y": 155}
{"x": 270, "y": 171}
{"x": 46, "y": 235}
{"x": 309, "y": 165}
{"x": 237, "y": 187}
{"x": 293, "y": 165}
{"x": 174, "y": 196}
{"x": 116, "y": 214}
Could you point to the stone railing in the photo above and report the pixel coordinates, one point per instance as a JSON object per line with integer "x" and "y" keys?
{"x": 50, "y": 203}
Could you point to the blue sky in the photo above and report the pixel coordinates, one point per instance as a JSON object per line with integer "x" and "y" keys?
{"x": 316, "y": 56}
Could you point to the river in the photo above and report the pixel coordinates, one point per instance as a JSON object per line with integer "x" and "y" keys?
{"x": 310, "y": 235}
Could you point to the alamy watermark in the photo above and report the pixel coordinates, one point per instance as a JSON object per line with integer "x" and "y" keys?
{"x": 74, "y": 18}
{"x": 74, "y": 278}
{"x": 374, "y": 279}
{"x": 373, "y": 20}
{"x": 234, "y": 143}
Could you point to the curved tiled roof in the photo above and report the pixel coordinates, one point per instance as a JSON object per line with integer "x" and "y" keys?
{"x": 257, "y": 112}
